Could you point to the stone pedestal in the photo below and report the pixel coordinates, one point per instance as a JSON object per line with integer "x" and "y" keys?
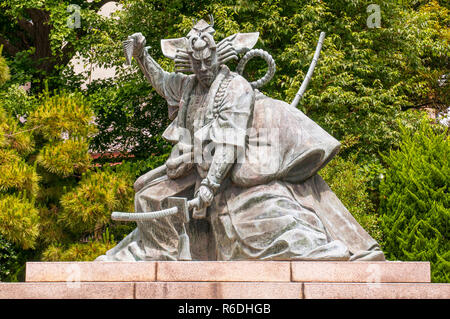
{"x": 226, "y": 280}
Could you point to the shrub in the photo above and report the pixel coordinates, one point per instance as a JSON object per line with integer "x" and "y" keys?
{"x": 348, "y": 181}
{"x": 4, "y": 70}
{"x": 414, "y": 199}
{"x": 51, "y": 199}
{"x": 77, "y": 251}
{"x": 16, "y": 174}
{"x": 13, "y": 135}
{"x": 19, "y": 220}
{"x": 16, "y": 101}
{"x": 62, "y": 116}
{"x": 80, "y": 251}
{"x": 65, "y": 158}
{"x": 89, "y": 205}
{"x": 8, "y": 259}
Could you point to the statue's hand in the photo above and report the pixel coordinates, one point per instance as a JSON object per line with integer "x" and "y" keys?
{"x": 133, "y": 46}
{"x": 138, "y": 43}
{"x": 206, "y": 195}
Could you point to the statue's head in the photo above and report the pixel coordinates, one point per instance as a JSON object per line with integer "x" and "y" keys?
{"x": 198, "y": 52}
{"x": 202, "y": 51}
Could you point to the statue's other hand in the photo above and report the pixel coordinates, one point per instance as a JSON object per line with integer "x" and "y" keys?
{"x": 206, "y": 195}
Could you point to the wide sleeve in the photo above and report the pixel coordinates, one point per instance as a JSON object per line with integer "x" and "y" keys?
{"x": 283, "y": 144}
{"x": 173, "y": 88}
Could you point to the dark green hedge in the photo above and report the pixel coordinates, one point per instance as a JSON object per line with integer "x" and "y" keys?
{"x": 414, "y": 199}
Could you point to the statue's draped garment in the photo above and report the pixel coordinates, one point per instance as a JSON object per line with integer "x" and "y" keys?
{"x": 272, "y": 204}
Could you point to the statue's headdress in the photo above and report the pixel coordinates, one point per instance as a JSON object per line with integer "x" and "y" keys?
{"x": 200, "y": 42}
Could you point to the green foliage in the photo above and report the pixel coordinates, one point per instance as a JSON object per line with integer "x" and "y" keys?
{"x": 16, "y": 175}
{"x": 138, "y": 167}
{"x": 130, "y": 117}
{"x": 65, "y": 158}
{"x": 88, "y": 206}
{"x": 415, "y": 200}
{"x": 19, "y": 220}
{"x": 4, "y": 70}
{"x": 40, "y": 37}
{"x": 62, "y": 114}
{"x": 14, "y": 136}
{"x": 8, "y": 259}
{"x": 77, "y": 251}
{"x": 80, "y": 251}
{"x": 23, "y": 68}
{"x": 16, "y": 101}
{"x": 49, "y": 193}
{"x": 348, "y": 181}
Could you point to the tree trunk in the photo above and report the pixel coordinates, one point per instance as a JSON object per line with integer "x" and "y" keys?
{"x": 41, "y": 34}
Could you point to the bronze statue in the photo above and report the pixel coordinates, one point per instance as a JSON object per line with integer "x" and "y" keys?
{"x": 248, "y": 162}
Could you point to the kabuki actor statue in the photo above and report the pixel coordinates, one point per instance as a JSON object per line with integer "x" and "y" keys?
{"x": 241, "y": 181}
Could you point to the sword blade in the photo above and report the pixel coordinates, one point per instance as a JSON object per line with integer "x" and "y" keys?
{"x": 143, "y": 216}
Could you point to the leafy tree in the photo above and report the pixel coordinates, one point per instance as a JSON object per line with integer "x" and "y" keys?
{"x": 130, "y": 118}
{"x": 42, "y": 36}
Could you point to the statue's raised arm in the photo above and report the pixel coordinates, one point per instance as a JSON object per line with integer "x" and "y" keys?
{"x": 134, "y": 46}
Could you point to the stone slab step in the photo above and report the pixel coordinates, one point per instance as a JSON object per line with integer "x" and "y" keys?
{"x": 219, "y": 290}
{"x": 232, "y": 271}
{"x": 278, "y": 271}
{"x": 377, "y": 271}
{"x": 67, "y": 290}
{"x": 90, "y": 271}
{"x": 376, "y": 291}
{"x": 222, "y": 290}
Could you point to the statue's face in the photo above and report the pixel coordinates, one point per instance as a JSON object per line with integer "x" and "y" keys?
{"x": 205, "y": 69}
{"x": 203, "y": 57}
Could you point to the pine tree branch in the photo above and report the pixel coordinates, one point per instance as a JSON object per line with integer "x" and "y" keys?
{"x": 24, "y": 131}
